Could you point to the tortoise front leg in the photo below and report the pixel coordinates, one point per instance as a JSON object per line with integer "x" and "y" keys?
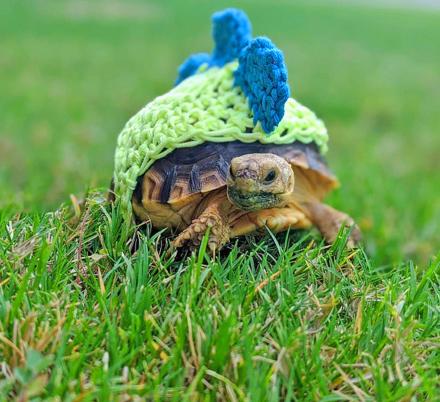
{"x": 276, "y": 219}
{"x": 329, "y": 221}
{"x": 213, "y": 215}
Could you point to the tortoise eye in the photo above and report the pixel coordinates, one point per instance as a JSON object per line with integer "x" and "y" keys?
{"x": 270, "y": 177}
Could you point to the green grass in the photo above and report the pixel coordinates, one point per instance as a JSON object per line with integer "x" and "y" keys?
{"x": 92, "y": 311}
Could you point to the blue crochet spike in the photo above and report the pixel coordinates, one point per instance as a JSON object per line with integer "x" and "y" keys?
{"x": 190, "y": 66}
{"x": 262, "y": 75}
{"x": 231, "y": 31}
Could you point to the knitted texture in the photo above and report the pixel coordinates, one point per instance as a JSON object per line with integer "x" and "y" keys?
{"x": 191, "y": 65}
{"x": 262, "y": 75}
{"x": 204, "y": 107}
{"x": 231, "y": 32}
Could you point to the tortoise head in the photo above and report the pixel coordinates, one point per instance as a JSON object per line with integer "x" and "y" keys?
{"x": 259, "y": 181}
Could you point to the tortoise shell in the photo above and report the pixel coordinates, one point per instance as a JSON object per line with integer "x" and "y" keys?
{"x": 204, "y": 168}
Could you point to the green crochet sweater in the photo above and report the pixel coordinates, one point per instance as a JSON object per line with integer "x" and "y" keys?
{"x": 204, "y": 107}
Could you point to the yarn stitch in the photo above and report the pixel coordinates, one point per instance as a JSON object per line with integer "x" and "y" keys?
{"x": 231, "y": 32}
{"x": 262, "y": 75}
{"x": 204, "y": 107}
{"x": 191, "y": 65}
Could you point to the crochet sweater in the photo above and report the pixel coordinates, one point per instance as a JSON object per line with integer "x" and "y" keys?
{"x": 236, "y": 101}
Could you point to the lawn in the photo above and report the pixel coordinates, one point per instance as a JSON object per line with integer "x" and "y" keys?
{"x": 91, "y": 310}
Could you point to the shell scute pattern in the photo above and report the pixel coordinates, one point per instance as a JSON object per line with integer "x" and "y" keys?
{"x": 204, "y": 168}
{"x": 164, "y": 125}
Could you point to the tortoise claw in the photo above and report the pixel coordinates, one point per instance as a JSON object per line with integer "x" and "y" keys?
{"x": 192, "y": 236}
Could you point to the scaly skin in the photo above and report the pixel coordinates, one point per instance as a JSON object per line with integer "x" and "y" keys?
{"x": 214, "y": 214}
{"x": 261, "y": 193}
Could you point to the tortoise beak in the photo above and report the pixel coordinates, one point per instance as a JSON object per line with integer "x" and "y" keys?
{"x": 251, "y": 201}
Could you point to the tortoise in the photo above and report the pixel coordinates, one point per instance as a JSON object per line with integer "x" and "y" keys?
{"x": 228, "y": 150}
{"x": 235, "y": 188}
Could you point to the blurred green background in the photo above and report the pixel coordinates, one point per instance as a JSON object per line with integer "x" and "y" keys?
{"x": 73, "y": 72}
